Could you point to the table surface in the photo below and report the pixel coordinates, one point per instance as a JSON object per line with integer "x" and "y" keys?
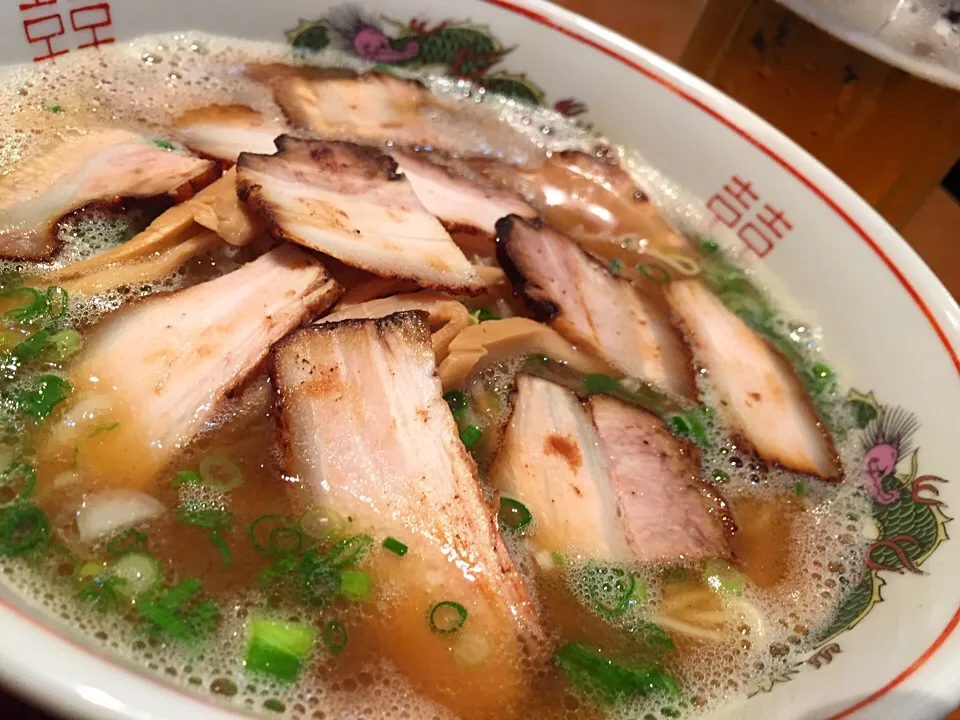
{"x": 664, "y": 27}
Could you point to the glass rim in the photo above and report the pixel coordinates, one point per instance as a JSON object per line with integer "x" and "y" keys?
{"x": 923, "y": 67}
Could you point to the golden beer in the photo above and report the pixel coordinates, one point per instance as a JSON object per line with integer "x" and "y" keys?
{"x": 890, "y": 135}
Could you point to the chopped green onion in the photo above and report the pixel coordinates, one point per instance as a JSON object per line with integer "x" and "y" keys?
{"x": 709, "y": 246}
{"x": 595, "y": 383}
{"x": 278, "y": 648}
{"x": 513, "y": 514}
{"x": 33, "y": 307}
{"x": 204, "y": 515}
{"x": 723, "y": 576}
{"x": 33, "y": 345}
{"x": 590, "y": 672}
{"x": 719, "y": 476}
{"x": 218, "y": 541}
{"x": 45, "y": 393}
{"x": 349, "y": 551}
{"x": 166, "y": 612}
{"x": 483, "y": 315}
{"x": 139, "y": 571}
{"x": 173, "y": 598}
{"x": 279, "y": 570}
{"x": 27, "y": 477}
{"x": 470, "y": 435}
{"x": 654, "y": 636}
{"x": 22, "y": 528}
{"x": 639, "y": 592}
{"x": 395, "y": 546}
{"x": 285, "y": 541}
{"x": 615, "y": 265}
{"x": 335, "y": 636}
{"x": 264, "y": 520}
{"x": 322, "y": 523}
{"x": 220, "y": 473}
{"x": 162, "y": 619}
{"x": 55, "y": 109}
{"x": 97, "y": 593}
{"x": 65, "y": 343}
{"x": 689, "y": 424}
{"x": 557, "y": 558}
{"x": 163, "y": 144}
{"x": 800, "y": 489}
{"x": 58, "y": 301}
{"x": 185, "y": 477}
{"x": 630, "y": 390}
{"x": 104, "y": 428}
{"x": 127, "y": 541}
{"x": 91, "y": 569}
{"x": 654, "y": 272}
{"x": 611, "y": 590}
{"x": 319, "y": 580}
{"x": 447, "y": 617}
{"x": 355, "y": 584}
{"x": 457, "y": 402}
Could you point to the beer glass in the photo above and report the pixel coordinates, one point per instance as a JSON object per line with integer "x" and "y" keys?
{"x": 871, "y": 88}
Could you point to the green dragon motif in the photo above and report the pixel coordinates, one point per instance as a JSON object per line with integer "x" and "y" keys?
{"x": 909, "y": 520}
{"x": 460, "y": 49}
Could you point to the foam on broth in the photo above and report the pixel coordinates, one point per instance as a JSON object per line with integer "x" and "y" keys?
{"x": 801, "y": 549}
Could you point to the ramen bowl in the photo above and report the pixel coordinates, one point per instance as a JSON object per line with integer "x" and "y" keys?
{"x": 889, "y": 326}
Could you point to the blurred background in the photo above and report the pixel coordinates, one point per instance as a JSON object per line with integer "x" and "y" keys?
{"x": 892, "y": 134}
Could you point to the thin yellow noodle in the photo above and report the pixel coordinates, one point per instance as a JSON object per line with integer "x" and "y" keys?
{"x": 693, "y": 631}
{"x": 704, "y": 617}
{"x": 687, "y": 599}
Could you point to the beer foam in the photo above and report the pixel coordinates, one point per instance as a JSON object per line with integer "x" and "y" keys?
{"x": 925, "y": 32}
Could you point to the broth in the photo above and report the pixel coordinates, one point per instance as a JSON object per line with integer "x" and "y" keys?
{"x": 717, "y": 629}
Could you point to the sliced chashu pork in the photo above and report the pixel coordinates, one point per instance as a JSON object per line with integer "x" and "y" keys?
{"x": 377, "y": 109}
{"x": 467, "y": 210}
{"x": 102, "y": 165}
{"x": 446, "y": 317}
{"x": 550, "y": 460}
{"x": 668, "y": 514}
{"x": 154, "y": 373}
{"x": 611, "y": 485}
{"x": 349, "y": 202}
{"x": 606, "y": 315}
{"x": 368, "y": 433}
{"x": 370, "y": 108}
{"x": 224, "y": 131}
{"x": 592, "y": 199}
{"x": 760, "y": 396}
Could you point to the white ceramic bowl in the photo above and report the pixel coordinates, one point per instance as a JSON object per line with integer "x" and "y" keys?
{"x": 888, "y": 325}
